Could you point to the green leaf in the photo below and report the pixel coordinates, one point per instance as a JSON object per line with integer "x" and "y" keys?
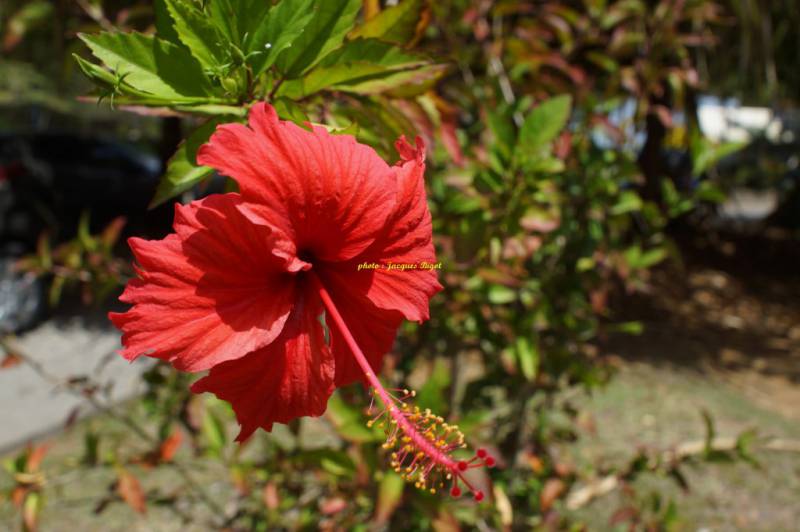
{"x": 289, "y": 110}
{"x": 56, "y": 288}
{"x": 31, "y": 15}
{"x": 544, "y": 123}
{"x": 182, "y": 170}
{"x": 711, "y": 432}
{"x": 390, "y": 491}
{"x": 501, "y": 124}
{"x": 212, "y": 109}
{"x": 744, "y": 446}
{"x": 628, "y": 327}
{"x": 396, "y": 24}
{"x": 500, "y": 295}
{"x": 628, "y": 201}
{"x": 96, "y": 73}
{"x": 353, "y": 65}
{"x": 336, "y": 463}
{"x": 151, "y": 65}
{"x": 324, "y": 33}
{"x": 706, "y": 154}
{"x": 350, "y": 421}
{"x": 284, "y": 23}
{"x": 214, "y": 430}
{"x": 708, "y": 191}
{"x": 165, "y": 28}
{"x": 527, "y": 357}
{"x": 433, "y": 394}
{"x": 236, "y": 19}
{"x": 197, "y": 32}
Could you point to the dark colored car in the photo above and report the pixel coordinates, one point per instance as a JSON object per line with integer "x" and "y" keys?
{"x": 47, "y": 181}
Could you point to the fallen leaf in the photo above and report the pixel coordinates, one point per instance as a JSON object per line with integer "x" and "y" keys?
{"x": 170, "y": 446}
{"x": 270, "y": 496}
{"x": 552, "y": 490}
{"x": 131, "y": 492}
{"x": 10, "y": 360}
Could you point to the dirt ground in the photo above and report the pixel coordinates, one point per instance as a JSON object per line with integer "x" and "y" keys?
{"x": 721, "y": 335}
{"x": 732, "y": 312}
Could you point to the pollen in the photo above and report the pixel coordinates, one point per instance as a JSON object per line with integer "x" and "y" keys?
{"x": 421, "y": 444}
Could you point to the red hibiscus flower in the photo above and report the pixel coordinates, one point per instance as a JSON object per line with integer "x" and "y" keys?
{"x": 263, "y": 288}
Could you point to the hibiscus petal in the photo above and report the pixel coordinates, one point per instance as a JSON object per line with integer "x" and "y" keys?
{"x": 406, "y": 239}
{"x": 328, "y": 193}
{"x": 210, "y": 293}
{"x": 291, "y": 377}
{"x": 373, "y": 329}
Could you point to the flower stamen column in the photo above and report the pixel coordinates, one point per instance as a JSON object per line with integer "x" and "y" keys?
{"x": 423, "y": 441}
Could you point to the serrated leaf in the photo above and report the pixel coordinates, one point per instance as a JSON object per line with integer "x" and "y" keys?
{"x": 151, "y": 65}
{"x": 324, "y": 33}
{"x": 165, "y": 28}
{"x": 544, "y": 123}
{"x": 283, "y": 24}
{"x": 396, "y": 24}
{"x": 197, "y": 32}
{"x": 183, "y": 172}
{"x": 235, "y": 19}
{"x": 352, "y": 66}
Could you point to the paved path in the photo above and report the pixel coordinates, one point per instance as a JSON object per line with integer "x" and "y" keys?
{"x": 30, "y": 406}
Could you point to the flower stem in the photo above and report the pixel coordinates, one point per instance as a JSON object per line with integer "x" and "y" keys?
{"x": 410, "y": 422}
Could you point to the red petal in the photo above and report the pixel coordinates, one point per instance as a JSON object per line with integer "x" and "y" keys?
{"x": 210, "y": 293}
{"x": 374, "y": 329}
{"x": 406, "y": 240}
{"x": 330, "y": 194}
{"x": 291, "y": 377}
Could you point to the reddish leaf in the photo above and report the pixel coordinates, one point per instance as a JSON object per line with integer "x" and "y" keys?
{"x": 563, "y": 145}
{"x": 270, "y": 496}
{"x": 130, "y": 490}
{"x": 111, "y": 233}
{"x": 18, "y": 496}
{"x": 35, "y": 458}
{"x": 170, "y": 446}
{"x": 450, "y": 140}
{"x": 332, "y": 506}
{"x": 664, "y": 115}
{"x": 10, "y": 360}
